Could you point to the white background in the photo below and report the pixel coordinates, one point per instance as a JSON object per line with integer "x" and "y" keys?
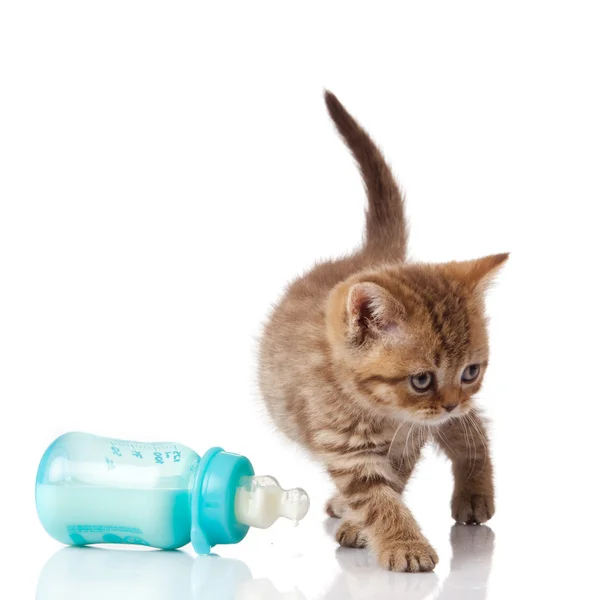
{"x": 166, "y": 168}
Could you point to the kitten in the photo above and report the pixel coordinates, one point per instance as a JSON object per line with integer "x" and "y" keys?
{"x": 368, "y": 357}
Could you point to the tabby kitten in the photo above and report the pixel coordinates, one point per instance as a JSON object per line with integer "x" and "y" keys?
{"x": 368, "y": 357}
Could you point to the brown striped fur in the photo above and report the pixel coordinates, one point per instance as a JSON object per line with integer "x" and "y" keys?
{"x": 336, "y": 361}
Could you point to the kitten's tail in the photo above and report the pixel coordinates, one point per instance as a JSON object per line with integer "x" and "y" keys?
{"x": 386, "y": 228}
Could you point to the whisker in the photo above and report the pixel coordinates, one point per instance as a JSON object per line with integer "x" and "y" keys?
{"x": 477, "y": 428}
{"x": 470, "y": 430}
{"x": 468, "y": 442}
{"x": 420, "y": 443}
{"x": 393, "y": 440}
{"x": 483, "y": 443}
{"x": 419, "y": 447}
{"x": 413, "y": 447}
{"x": 438, "y": 431}
{"x": 407, "y": 438}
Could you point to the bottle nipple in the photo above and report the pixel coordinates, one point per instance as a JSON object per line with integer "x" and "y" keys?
{"x": 260, "y": 501}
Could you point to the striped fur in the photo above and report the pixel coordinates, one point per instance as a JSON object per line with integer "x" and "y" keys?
{"x": 336, "y": 362}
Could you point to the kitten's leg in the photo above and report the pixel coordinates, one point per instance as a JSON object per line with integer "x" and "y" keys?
{"x": 465, "y": 441}
{"x": 378, "y": 517}
{"x": 350, "y": 532}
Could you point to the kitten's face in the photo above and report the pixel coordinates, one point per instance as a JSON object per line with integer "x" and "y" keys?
{"x": 419, "y": 380}
{"x": 412, "y": 340}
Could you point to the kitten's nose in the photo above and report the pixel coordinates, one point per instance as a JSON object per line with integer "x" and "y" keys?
{"x": 450, "y": 407}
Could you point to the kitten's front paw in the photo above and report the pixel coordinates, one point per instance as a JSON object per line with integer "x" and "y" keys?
{"x": 410, "y": 556}
{"x": 350, "y": 535}
{"x": 472, "y": 509}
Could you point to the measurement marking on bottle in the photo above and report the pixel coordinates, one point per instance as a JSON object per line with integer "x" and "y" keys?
{"x": 162, "y": 453}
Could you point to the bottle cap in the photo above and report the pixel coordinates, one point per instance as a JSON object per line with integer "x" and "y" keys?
{"x": 215, "y": 484}
{"x": 227, "y": 499}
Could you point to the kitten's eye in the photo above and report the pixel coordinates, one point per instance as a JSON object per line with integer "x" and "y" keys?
{"x": 470, "y": 374}
{"x": 422, "y": 381}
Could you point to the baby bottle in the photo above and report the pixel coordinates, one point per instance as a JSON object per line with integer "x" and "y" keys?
{"x": 94, "y": 490}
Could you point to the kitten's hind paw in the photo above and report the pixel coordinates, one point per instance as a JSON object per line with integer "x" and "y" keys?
{"x": 472, "y": 509}
{"x": 350, "y": 535}
{"x": 335, "y": 507}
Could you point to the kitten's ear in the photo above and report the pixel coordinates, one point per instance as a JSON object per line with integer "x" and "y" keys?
{"x": 372, "y": 311}
{"x": 477, "y": 274}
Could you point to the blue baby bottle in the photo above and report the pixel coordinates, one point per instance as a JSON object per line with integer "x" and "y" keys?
{"x": 97, "y": 490}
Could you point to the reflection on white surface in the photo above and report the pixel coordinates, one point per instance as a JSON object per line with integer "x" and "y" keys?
{"x": 99, "y": 573}
{"x": 119, "y": 574}
{"x": 472, "y": 549}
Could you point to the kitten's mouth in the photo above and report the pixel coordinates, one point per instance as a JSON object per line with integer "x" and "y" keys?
{"x": 438, "y": 418}
{"x": 430, "y": 416}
